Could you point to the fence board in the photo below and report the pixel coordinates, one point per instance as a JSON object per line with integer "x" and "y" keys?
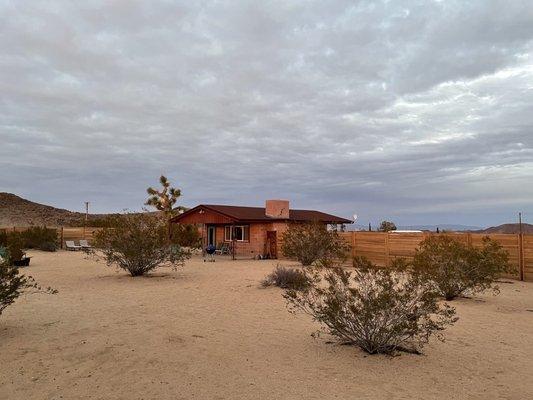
{"x": 382, "y": 248}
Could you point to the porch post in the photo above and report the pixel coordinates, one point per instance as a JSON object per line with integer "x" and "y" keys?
{"x": 204, "y": 241}
{"x": 233, "y": 241}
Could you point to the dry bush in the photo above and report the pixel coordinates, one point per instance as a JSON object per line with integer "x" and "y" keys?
{"x": 457, "y": 268}
{"x": 41, "y": 238}
{"x": 286, "y": 278}
{"x": 378, "y": 310}
{"x": 312, "y": 243}
{"x": 13, "y": 284}
{"x": 137, "y": 243}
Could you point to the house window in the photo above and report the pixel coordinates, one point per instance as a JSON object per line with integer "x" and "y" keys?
{"x": 241, "y": 233}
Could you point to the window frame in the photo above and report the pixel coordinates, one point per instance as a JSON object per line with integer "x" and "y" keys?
{"x": 228, "y": 230}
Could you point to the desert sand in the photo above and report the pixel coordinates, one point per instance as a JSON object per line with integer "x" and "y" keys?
{"x": 208, "y": 331}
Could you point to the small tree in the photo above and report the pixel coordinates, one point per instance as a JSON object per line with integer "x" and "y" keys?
{"x": 138, "y": 244}
{"x": 13, "y": 284}
{"x": 387, "y": 226}
{"x": 312, "y": 243}
{"x": 457, "y": 268}
{"x": 164, "y": 200}
{"x": 378, "y": 310}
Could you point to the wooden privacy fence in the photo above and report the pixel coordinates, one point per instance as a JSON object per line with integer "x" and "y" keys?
{"x": 382, "y": 248}
{"x": 63, "y": 234}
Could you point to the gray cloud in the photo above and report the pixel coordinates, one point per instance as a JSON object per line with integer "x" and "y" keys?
{"x": 419, "y": 111}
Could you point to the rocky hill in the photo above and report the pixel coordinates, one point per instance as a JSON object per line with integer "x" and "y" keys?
{"x": 508, "y": 228}
{"x": 16, "y": 211}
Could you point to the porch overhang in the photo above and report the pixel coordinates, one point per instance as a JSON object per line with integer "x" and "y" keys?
{"x": 203, "y": 215}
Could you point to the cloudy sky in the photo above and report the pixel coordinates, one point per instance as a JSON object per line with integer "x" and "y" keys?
{"x": 415, "y": 111}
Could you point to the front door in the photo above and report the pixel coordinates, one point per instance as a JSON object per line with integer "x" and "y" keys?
{"x": 211, "y": 235}
{"x": 272, "y": 245}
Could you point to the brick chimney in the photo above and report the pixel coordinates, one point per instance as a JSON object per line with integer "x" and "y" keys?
{"x": 277, "y": 208}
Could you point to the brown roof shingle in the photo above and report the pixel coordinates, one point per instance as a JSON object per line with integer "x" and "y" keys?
{"x": 247, "y": 214}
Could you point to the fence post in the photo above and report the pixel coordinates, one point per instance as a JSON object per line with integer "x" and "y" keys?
{"x": 354, "y": 241}
{"x": 521, "y": 256}
{"x": 61, "y": 237}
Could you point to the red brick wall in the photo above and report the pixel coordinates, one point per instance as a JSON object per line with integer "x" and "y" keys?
{"x": 258, "y": 234}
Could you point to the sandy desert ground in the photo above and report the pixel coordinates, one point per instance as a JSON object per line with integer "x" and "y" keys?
{"x": 209, "y": 332}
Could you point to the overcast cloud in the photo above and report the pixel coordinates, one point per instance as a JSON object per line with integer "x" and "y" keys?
{"x": 415, "y": 111}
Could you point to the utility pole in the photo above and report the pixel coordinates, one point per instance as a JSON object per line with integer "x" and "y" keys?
{"x": 86, "y": 211}
{"x": 520, "y": 248}
{"x": 86, "y": 217}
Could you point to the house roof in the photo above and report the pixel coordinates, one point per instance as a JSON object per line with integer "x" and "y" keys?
{"x": 253, "y": 214}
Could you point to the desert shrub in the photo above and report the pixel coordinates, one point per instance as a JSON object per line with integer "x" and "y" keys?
{"x": 378, "y": 310}
{"x": 311, "y": 243}
{"x": 3, "y": 238}
{"x": 286, "y": 278}
{"x": 15, "y": 246}
{"x": 457, "y": 268}
{"x": 137, "y": 243}
{"x": 186, "y": 235}
{"x": 48, "y": 246}
{"x": 41, "y": 238}
{"x": 13, "y": 284}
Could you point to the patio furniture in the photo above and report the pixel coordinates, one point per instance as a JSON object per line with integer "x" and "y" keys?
{"x": 24, "y": 262}
{"x": 223, "y": 248}
{"x": 70, "y": 245}
{"x": 85, "y": 244}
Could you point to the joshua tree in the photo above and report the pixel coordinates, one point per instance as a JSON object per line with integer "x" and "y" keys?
{"x": 164, "y": 200}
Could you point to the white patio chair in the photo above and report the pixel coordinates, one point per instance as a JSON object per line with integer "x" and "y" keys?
{"x": 70, "y": 245}
{"x": 84, "y": 244}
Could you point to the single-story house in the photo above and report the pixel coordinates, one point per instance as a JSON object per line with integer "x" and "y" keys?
{"x": 251, "y": 231}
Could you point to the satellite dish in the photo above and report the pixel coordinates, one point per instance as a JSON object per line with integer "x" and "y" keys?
{"x": 354, "y": 217}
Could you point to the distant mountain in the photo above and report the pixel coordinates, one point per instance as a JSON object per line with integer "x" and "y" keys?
{"x": 433, "y": 228}
{"x": 508, "y": 228}
{"x": 443, "y": 227}
{"x": 16, "y": 211}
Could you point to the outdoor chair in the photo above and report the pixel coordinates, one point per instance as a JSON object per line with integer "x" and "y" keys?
{"x": 84, "y": 244}
{"x": 223, "y": 248}
{"x": 70, "y": 245}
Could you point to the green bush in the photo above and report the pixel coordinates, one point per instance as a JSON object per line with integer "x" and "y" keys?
{"x": 13, "y": 284}
{"x": 311, "y": 243}
{"x": 379, "y": 310}
{"x": 456, "y": 268}
{"x": 3, "y": 238}
{"x": 137, "y": 243}
{"x": 15, "y": 246}
{"x": 286, "y": 278}
{"x": 48, "y": 246}
{"x": 41, "y": 238}
{"x": 186, "y": 235}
